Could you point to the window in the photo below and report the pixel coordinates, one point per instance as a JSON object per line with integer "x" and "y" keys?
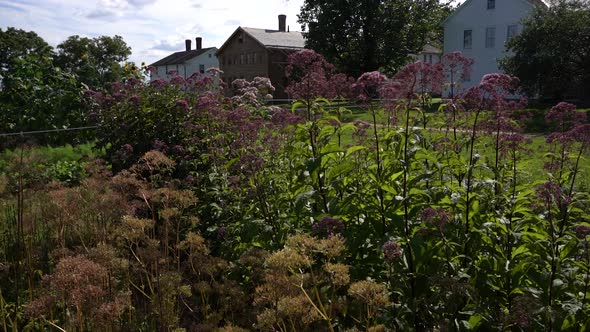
{"x": 249, "y": 58}
{"x": 242, "y": 58}
{"x": 490, "y": 37}
{"x": 255, "y": 58}
{"x": 511, "y": 31}
{"x": 209, "y": 54}
{"x": 202, "y": 69}
{"x": 467, "y": 39}
{"x": 466, "y": 76}
{"x": 491, "y": 4}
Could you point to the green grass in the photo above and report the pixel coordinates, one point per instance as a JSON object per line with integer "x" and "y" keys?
{"x": 531, "y": 163}
{"x": 52, "y": 155}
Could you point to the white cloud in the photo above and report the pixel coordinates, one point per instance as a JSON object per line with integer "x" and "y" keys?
{"x": 153, "y": 28}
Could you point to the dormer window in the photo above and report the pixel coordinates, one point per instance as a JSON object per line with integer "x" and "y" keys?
{"x": 491, "y": 4}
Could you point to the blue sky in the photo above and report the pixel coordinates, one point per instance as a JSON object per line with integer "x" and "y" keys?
{"x": 153, "y": 28}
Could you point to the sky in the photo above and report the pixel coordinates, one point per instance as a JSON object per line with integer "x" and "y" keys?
{"x": 152, "y": 28}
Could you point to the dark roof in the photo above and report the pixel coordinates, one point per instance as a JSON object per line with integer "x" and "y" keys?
{"x": 275, "y": 39}
{"x": 180, "y": 57}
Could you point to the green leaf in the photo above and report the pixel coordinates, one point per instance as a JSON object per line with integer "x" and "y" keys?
{"x": 475, "y": 321}
{"x": 570, "y": 247}
{"x": 296, "y": 105}
{"x": 354, "y": 149}
{"x": 520, "y": 250}
{"x": 568, "y": 323}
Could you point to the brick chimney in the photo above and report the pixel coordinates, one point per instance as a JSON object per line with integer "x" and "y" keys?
{"x": 282, "y": 22}
{"x": 187, "y": 42}
{"x": 199, "y": 41}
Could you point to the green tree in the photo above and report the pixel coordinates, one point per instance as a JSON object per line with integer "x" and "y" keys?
{"x": 95, "y": 61}
{"x": 551, "y": 55}
{"x": 36, "y": 95}
{"x": 17, "y": 43}
{"x": 365, "y": 35}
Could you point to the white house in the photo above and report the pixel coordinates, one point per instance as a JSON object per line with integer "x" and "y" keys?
{"x": 429, "y": 54}
{"x": 480, "y": 28}
{"x": 186, "y": 63}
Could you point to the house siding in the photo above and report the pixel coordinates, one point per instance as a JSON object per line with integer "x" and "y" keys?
{"x": 475, "y": 16}
{"x": 236, "y": 51}
{"x": 276, "y": 68}
{"x": 187, "y": 68}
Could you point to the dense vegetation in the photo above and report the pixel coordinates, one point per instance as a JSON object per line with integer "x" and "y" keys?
{"x": 41, "y": 89}
{"x": 542, "y": 56}
{"x": 214, "y": 213}
{"x": 358, "y": 36}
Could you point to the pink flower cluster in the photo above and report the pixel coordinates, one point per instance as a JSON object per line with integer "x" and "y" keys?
{"x": 311, "y": 76}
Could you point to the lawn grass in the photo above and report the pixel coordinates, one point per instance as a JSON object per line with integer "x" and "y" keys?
{"x": 531, "y": 164}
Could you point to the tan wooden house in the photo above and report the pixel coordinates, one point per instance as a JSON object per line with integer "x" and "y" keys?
{"x": 251, "y": 52}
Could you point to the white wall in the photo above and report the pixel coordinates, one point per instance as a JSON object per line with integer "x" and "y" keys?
{"x": 475, "y": 16}
{"x": 208, "y": 59}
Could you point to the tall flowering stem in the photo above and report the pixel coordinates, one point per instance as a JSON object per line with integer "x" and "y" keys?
{"x": 309, "y": 77}
{"x": 552, "y": 197}
{"x": 456, "y": 68}
{"x": 499, "y": 88}
{"x": 365, "y": 89}
{"x": 485, "y": 96}
{"x": 571, "y": 128}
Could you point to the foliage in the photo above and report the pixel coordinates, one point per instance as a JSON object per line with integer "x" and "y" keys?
{"x": 363, "y": 36}
{"x": 96, "y": 62}
{"x": 36, "y": 95}
{"x": 16, "y": 44}
{"x": 267, "y": 219}
{"x": 42, "y": 91}
{"x": 542, "y": 55}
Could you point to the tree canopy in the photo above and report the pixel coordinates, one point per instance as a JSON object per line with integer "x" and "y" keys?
{"x": 42, "y": 90}
{"x": 17, "y": 43}
{"x": 95, "y": 61}
{"x": 364, "y": 35}
{"x": 551, "y": 55}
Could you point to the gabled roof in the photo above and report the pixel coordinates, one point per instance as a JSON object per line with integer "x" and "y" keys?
{"x": 180, "y": 57}
{"x": 464, "y": 4}
{"x": 277, "y": 39}
{"x": 271, "y": 38}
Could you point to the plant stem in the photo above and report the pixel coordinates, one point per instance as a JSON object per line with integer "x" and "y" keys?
{"x": 470, "y": 173}
{"x": 379, "y": 172}
{"x": 406, "y": 202}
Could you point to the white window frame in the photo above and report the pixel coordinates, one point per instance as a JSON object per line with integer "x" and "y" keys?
{"x": 511, "y": 33}
{"x": 467, "y": 41}
{"x": 490, "y": 41}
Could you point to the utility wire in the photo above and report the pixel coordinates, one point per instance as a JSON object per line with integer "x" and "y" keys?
{"x": 45, "y": 131}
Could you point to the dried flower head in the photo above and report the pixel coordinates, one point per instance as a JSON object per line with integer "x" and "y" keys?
{"x": 339, "y": 274}
{"x": 371, "y": 293}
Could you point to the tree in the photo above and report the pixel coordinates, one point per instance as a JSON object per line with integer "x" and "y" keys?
{"x": 16, "y": 44}
{"x": 36, "y": 95}
{"x": 551, "y": 56}
{"x": 95, "y": 61}
{"x": 365, "y": 35}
